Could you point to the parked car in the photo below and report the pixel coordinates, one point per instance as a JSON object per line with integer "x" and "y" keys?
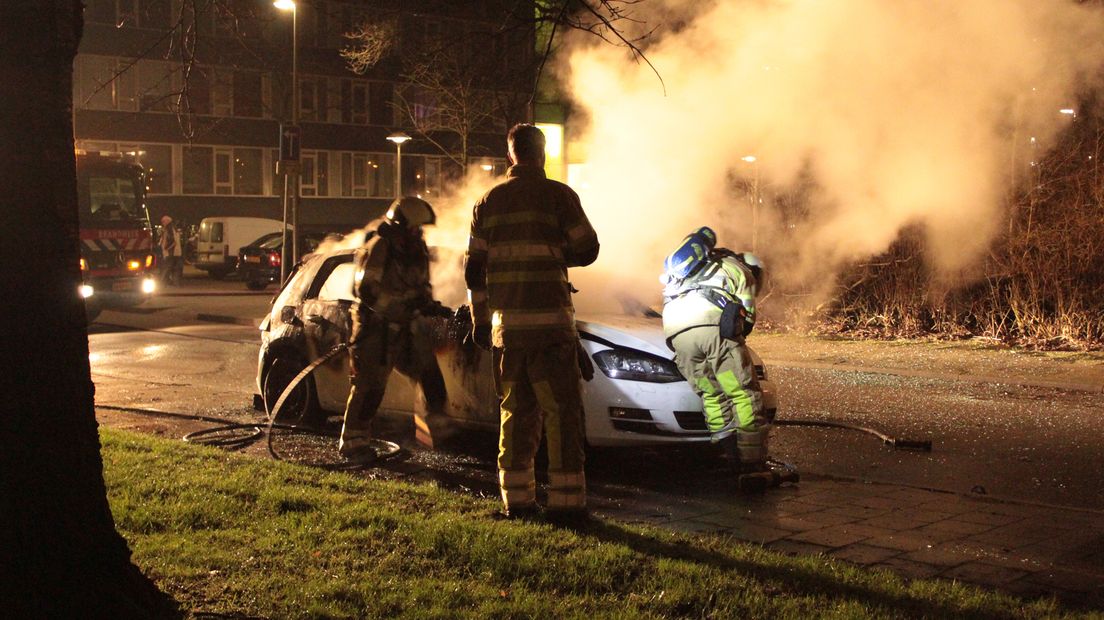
{"x": 637, "y": 396}
{"x": 220, "y": 239}
{"x": 259, "y": 262}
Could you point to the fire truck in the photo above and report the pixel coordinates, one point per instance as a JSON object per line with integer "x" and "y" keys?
{"x": 117, "y": 261}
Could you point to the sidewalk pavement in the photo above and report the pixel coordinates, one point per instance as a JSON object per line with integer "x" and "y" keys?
{"x": 1023, "y": 549}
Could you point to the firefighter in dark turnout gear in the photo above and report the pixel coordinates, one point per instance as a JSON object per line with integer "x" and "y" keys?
{"x": 391, "y": 326}
{"x": 708, "y": 311}
{"x": 525, "y": 233}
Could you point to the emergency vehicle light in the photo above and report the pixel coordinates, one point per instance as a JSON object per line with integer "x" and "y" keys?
{"x": 86, "y": 290}
{"x": 134, "y": 265}
{"x": 149, "y": 285}
{"x": 83, "y": 264}
{"x": 149, "y": 260}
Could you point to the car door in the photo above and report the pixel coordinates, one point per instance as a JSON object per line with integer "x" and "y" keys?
{"x": 327, "y": 322}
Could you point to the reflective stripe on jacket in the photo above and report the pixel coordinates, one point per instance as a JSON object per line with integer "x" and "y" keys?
{"x": 525, "y": 234}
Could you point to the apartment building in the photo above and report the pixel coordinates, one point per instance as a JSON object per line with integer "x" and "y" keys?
{"x": 199, "y": 89}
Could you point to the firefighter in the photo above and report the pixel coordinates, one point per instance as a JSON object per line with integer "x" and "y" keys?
{"x": 525, "y": 233}
{"x": 390, "y": 326}
{"x": 708, "y": 311}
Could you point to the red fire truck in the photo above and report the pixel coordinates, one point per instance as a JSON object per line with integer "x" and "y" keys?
{"x": 117, "y": 256}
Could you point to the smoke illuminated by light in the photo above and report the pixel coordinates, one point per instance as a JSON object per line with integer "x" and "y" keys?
{"x": 890, "y": 114}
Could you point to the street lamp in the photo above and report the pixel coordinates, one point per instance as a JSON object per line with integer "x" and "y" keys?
{"x": 754, "y": 161}
{"x": 398, "y": 138}
{"x": 286, "y": 260}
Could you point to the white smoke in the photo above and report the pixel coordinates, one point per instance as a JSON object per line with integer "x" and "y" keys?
{"x": 905, "y": 112}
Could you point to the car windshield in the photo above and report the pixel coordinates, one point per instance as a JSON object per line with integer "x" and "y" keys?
{"x": 260, "y": 241}
{"x": 110, "y": 198}
{"x": 272, "y": 244}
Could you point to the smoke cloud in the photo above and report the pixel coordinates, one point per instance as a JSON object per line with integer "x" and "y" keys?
{"x": 887, "y": 114}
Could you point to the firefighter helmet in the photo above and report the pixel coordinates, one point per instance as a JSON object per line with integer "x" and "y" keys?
{"x": 756, "y": 265}
{"x": 690, "y": 256}
{"x": 410, "y": 212}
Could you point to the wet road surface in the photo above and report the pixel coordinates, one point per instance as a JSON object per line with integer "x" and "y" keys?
{"x": 1022, "y": 443}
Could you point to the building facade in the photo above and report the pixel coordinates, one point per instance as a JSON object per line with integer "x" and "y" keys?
{"x": 199, "y": 90}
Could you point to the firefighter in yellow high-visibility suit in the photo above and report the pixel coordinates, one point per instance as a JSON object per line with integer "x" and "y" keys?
{"x": 525, "y": 233}
{"x": 708, "y": 311}
{"x": 390, "y": 326}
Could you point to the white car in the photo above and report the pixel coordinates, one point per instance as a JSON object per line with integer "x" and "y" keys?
{"x": 637, "y": 396}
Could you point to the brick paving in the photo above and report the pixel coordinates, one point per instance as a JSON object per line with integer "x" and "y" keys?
{"x": 1024, "y": 549}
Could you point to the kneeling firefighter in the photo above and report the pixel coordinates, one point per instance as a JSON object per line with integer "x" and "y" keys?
{"x": 708, "y": 311}
{"x": 392, "y": 326}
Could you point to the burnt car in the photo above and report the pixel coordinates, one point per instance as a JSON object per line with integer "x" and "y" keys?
{"x": 259, "y": 262}
{"x": 637, "y": 396}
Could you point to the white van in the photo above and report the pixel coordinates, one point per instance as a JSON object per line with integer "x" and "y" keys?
{"x": 220, "y": 239}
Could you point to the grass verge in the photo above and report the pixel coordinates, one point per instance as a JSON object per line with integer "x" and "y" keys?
{"x": 227, "y": 534}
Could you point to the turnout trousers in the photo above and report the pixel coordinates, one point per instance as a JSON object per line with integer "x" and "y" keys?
{"x": 720, "y": 371}
{"x": 386, "y": 347}
{"x": 539, "y": 390}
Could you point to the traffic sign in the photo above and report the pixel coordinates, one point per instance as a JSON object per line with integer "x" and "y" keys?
{"x": 289, "y": 142}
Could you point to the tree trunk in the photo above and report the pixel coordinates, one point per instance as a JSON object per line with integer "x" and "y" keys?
{"x": 60, "y": 555}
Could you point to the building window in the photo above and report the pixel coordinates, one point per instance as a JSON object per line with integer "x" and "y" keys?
{"x": 155, "y": 86}
{"x": 382, "y": 110}
{"x": 248, "y": 172}
{"x": 314, "y": 174}
{"x": 368, "y": 175}
{"x": 312, "y": 99}
{"x": 157, "y": 159}
{"x": 222, "y": 92}
{"x": 104, "y": 83}
{"x": 247, "y": 94}
{"x": 197, "y": 168}
{"x": 360, "y": 103}
{"x": 223, "y": 171}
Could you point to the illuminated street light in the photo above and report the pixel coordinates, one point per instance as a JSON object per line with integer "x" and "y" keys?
{"x": 749, "y": 159}
{"x": 1068, "y": 111}
{"x": 487, "y": 167}
{"x": 398, "y": 138}
{"x": 288, "y": 260}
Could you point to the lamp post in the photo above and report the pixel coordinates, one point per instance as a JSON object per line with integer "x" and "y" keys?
{"x": 398, "y": 138}
{"x": 292, "y": 170}
{"x": 754, "y": 161}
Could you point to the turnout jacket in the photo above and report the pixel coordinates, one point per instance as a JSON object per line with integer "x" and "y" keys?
{"x": 392, "y": 283}
{"x": 687, "y": 303}
{"x": 525, "y": 233}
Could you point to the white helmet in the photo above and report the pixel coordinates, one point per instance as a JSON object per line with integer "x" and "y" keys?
{"x": 410, "y": 212}
{"x": 757, "y": 269}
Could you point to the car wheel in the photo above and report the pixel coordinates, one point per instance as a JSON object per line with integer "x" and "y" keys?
{"x": 256, "y": 285}
{"x": 301, "y": 405}
{"x": 218, "y": 273}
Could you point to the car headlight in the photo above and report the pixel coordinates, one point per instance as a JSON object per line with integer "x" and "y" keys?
{"x": 636, "y": 366}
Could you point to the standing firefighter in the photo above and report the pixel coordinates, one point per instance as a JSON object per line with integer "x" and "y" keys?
{"x": 389, "y": 328}
{"x": 525, "y": 233}
{"x": 709, "y": 308}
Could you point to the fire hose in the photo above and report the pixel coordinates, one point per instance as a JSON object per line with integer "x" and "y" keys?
{"x": 924, "y": 445}
{"x": 216, "y": 435}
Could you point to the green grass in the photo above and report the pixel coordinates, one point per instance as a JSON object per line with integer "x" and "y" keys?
{"x": 234, "y": 535}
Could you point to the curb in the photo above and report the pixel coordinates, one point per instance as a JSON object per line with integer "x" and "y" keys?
{"x": 1072, "y": 386}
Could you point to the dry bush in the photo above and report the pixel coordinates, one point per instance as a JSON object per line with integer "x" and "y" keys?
{"x": 1041, "y": 286}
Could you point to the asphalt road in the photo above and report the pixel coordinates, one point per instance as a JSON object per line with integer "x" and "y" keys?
{"x": 1028, "y": 444}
